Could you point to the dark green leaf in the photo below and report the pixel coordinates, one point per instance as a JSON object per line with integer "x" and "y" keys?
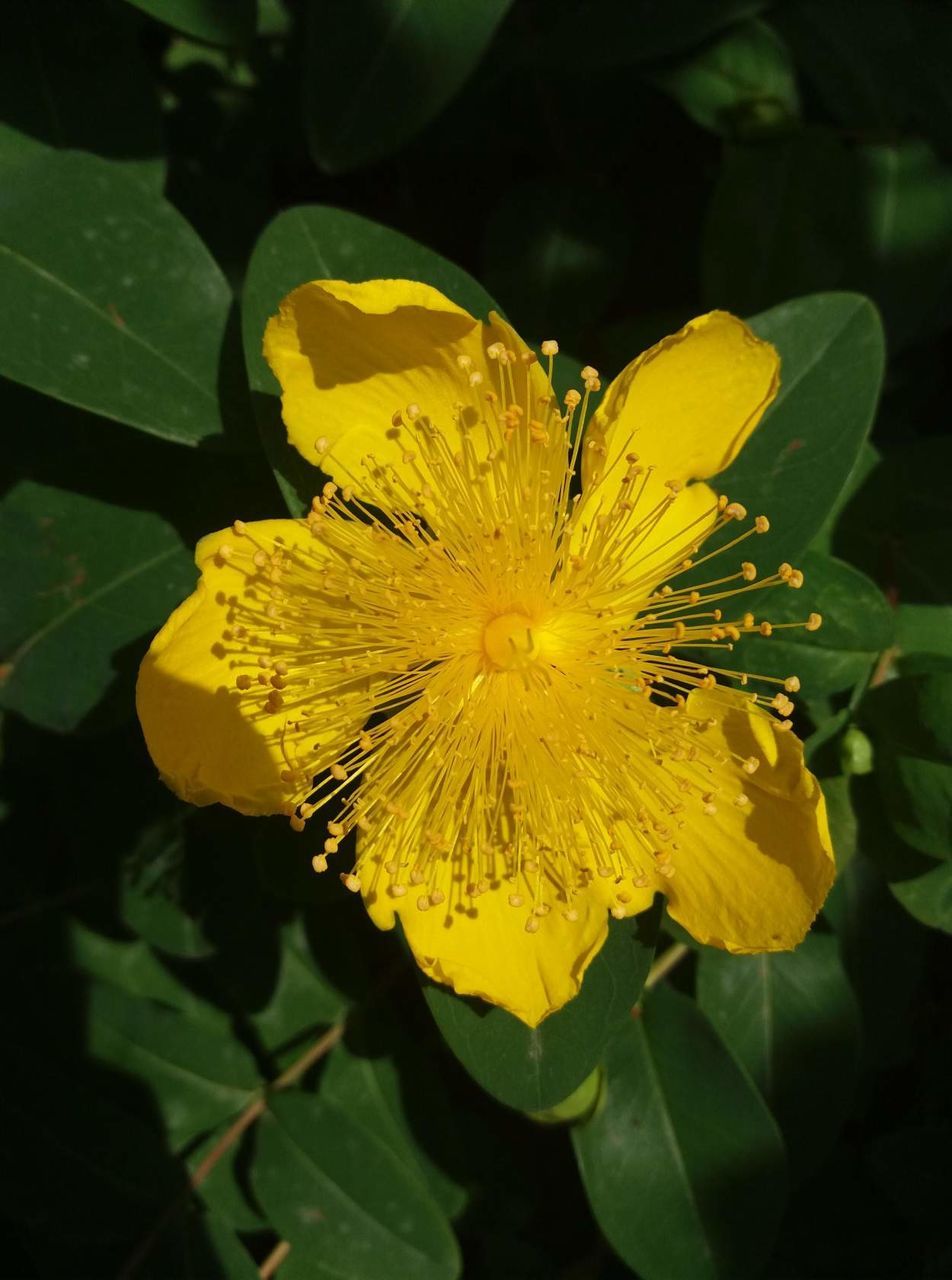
{"x": 914, "y": 714}
{"x": 682, "y": 1162}
{"x": 314, "y": 242}
{"x": 917, "y": 795}
{"x": 742, "y": 86}
{"x": 534, "y": 1069}
{"x": 556, "y": 257}
{"x": 303, "y": 997}
{"x": 798, "y": 460}
{"x": 928, "y": 896}
{"x": 151, "y": 890}
{"x": 641, "y": 30}
{"x": 413, "y": 57}
{"x": 377, "y": 1089}
{"x": 53, "y": 92}
{"x": 112, "y": 301}
{"x": 198, "y": 1075}
{"x": 857, "y": 626}
{"x": 343, "y": 1200}
{"x": 228, "y": 22}
{"x": 83, "y": 584}
{"x": 791, "y": 1019}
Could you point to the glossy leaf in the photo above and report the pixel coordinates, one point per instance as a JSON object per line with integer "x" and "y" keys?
{"x": 228, "y": 22}
{"x": 917, "y": 794}
{"x": 315, "y": 242}
{"x": 791, "y": 1019}
{"x": 413, "y": 56}
{"x": 53, "y": 92}
{"x": 857, "y": 627}
{"x": 928, "y": 896}
{"x": 342, "y": 1199}
{"x": 743, "y": 85}
{"x": 198, "y": 1075}
{"x": 799, "y": 458}
{"x": 151, "y": 889}
{"x": 112, "y": 302}
{"x": 682, "y": 1163}
{"x": 534, "y": 1069}
{"x": 84, "y": 584}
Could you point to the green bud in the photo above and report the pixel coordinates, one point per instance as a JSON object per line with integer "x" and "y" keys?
{"x": 577, "y": 1107}
{"x": 856, "y": 752}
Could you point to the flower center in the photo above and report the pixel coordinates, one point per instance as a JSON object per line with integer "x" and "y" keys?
{"x": 512, "y": 641}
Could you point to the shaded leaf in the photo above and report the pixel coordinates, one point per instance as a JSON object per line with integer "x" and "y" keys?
{"x": 198, "y": 1075}
{"x": 112, "y": 301}
{"x": 83, "y": 583}
{"x": 302, "y": 998}
{"x": 791, "y": 1019}
{"x": 413, "y": 55}
{"x": 682, "y": 1163}
{"x": 228, "y": 22}
{"x": 53, "y": 92}
{"x": 342, "y": 1199}
{"x": 533, "y": 1069}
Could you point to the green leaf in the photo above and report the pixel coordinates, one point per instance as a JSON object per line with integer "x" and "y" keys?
{"x": 302, "y": 998}
{"x": 742, "y": 86}
{"x": 53, "y": 92}
{"x": 392, "y": 1089}
{"x": 901, "y": 252}
{"x": 134, "y": 968}
{"x": 151, "y": 888}
{"x": 343, "y": 1200}
{"x": 223, "y": 1190}
{"x": 857, "y": 627}
{"x": 641, "y": 30}
{"x": 112, "y": 301}
{"x": 777, "y": 222}
{"x": 928, "y": 896}
{"x": 533, "y": 1069}
{"x": 917, "y": 795}
{"x": 798, "y": 460}
{"x": 372, "y": 82}
{"x": 228, "y": 22}
{"x": 315, "y": 242}
{"x": 556, "y": 255}
{"x": 682, "y": 1163}
{"x": 791, "y": 1019}
{"x": 914, "y": 714}
{"x": 198, "y": 1075}
{"x": 82, "y": 583}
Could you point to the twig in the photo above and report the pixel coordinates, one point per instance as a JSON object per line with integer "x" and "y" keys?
{"x": 665, "y": 963}
{"x": 274, "y": 1260}
{"x": 252, "y": 1112}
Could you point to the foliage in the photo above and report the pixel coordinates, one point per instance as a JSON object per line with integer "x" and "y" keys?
{"x": 214, "y": 1065}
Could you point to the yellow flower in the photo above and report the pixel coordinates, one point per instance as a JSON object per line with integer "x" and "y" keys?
{"x": 474, "y": 648}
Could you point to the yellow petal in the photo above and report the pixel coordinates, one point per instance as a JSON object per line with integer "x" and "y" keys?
{"x": 688, "y": 404}
{"x": 752, "y": 877}
{"x": 209, "y": 741}
{"x": 350, "y": 356}
{"x": 481, "y": 947}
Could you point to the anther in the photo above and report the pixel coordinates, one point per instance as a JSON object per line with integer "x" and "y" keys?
{"x": 239, "y": 528}
{"x": 338, "y": 772}
{"x": 814, "y": 622}
{"x": 761, "y": 524}
{"x": 331, "y": 845}
{"x": 749, "y": 571}
{"x": 532, "y": 925}
{"x": 437, "y": 897}
{"x": 765, "y": 629}
{"x": 398, "y": 890}
{"x": 319, "y": 863}
{"x": 792, "y": 684}
{"x": 350, "y": 881}
{"x": 515, "y": 899}
{"x": 735, "y": 511}
{"x": 550, "y": 347}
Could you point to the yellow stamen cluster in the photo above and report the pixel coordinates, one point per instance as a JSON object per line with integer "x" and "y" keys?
{"x": 520, "y": 654}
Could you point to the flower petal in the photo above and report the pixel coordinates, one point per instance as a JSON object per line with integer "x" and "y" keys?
{"x": 349, "y": 356}
{"x": 209, "y": 741}
{"x": 752, "y": 878}
{"x": 688, "y": 404}
{"x": 481, "y": 947}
